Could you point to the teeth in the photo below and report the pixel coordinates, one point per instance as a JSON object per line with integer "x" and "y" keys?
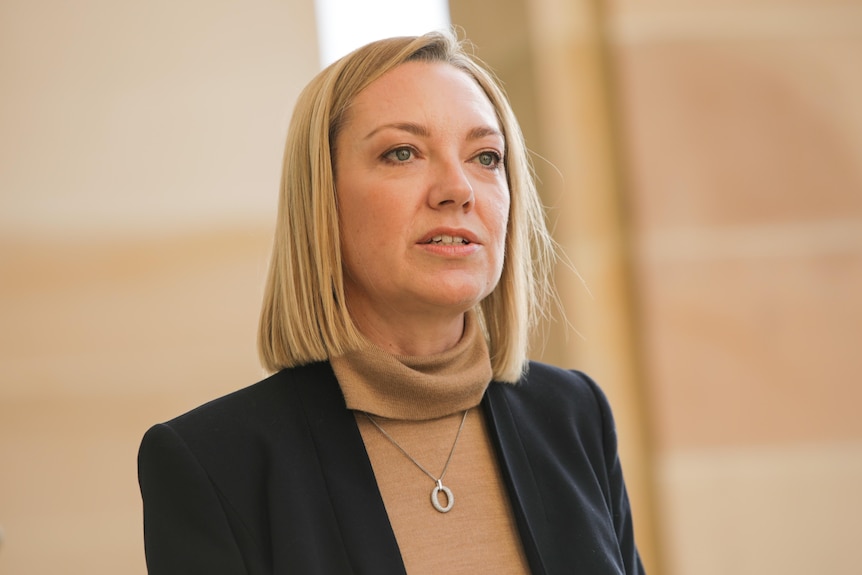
{"x": 448, "y": 240}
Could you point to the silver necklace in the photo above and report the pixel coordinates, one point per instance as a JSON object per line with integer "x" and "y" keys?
{"x": 438, "y": 481}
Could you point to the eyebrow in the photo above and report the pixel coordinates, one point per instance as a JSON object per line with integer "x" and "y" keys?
{"x": 409, "y": 127}
{"x": 482, "y": 132}
{"x": 421, "y": 131}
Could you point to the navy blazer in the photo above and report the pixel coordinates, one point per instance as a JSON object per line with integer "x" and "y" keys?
{"x": 274, "y": 479}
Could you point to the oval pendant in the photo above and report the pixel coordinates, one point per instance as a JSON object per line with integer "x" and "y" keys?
{"x": 435, "y": 497}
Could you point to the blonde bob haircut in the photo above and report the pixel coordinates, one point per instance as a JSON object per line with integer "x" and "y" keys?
{"x": 304, "y": 317}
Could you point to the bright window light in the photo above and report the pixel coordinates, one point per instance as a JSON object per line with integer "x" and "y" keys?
{"x": 344, "y": 25}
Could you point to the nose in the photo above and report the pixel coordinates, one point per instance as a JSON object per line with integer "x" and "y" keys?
{"x": 451, "y": 187}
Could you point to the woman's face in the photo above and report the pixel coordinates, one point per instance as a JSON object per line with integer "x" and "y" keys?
{"x": 422, "y": 195}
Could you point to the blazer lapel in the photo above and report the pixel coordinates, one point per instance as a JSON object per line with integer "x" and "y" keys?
{"x": 517, "y": 472}
{"x": 356, "y": 501}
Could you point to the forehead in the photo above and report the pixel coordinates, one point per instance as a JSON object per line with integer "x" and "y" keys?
{"x": 423, "y": 91}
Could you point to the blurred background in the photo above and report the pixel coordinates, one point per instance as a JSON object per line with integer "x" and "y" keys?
{"x": 702, "y": 166}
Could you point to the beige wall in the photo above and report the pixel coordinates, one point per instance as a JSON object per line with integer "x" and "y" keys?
{"x": 140, "y": 147}
{"x": 707, "y": 184}
{"x": 743, "y": 148}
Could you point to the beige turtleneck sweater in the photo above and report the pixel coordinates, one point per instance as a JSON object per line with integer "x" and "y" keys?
{"x": 420, "y": 402}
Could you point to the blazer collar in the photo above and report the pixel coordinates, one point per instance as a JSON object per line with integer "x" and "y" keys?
{"x": 357, "y": 505}
{"x": 524, "y": 493}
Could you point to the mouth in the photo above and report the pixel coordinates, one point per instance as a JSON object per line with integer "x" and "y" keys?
{"x": 445, "y": 240}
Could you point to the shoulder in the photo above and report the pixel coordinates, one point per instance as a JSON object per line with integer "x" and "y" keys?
{"x": 545, "y": 377}
{"x": 278, "y": 392}
{"x": 550, "y": 401}
{"x": 556, "y": 389}
{"x": 232, "y": 440}
{"x": 252, "y": 415}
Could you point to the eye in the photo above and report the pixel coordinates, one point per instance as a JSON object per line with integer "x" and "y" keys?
{"x": 489, "y": 159}
{"x": 399, "y": 155}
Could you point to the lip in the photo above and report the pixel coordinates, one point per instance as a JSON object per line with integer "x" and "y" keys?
{"x": 456, "y": 232}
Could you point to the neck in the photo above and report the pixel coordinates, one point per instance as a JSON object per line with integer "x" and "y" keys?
{"x": 417, "y": 387}
{"x": 410, "y": 335}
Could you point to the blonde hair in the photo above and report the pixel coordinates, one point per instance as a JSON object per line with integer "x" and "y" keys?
{"x": 304, "y": 317}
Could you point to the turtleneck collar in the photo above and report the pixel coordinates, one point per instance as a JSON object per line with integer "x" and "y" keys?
{"x": 417, "y": 387}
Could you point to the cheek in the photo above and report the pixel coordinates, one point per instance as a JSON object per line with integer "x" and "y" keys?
{"x": 368, "y": 231}
{"x": 499, "y": 216}
{"x": 350, "y": 205}
{"x": 349, "y": 230}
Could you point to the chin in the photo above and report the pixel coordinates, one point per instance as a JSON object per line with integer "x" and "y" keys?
{"x": 458, "y": 300}
{"x": 456, "y": 290}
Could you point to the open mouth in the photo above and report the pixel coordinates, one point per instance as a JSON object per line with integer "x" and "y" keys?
{"x": 444, "y": 240}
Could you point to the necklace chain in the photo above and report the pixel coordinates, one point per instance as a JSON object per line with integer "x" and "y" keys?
{"x": 438, "y": 481}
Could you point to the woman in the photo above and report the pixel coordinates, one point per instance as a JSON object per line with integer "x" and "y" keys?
{"x": 403, "y": 430}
